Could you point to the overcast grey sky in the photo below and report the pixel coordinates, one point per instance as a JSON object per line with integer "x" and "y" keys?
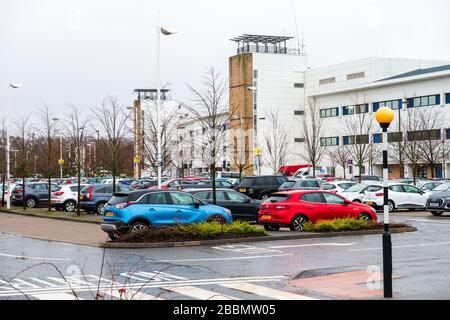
{"x": 78, "y": 51}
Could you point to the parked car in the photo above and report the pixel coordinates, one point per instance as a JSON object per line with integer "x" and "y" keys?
{"x": 294, "y": 208}
{"x": 438, "y": 203}
{"x": 35, "y": 194}
{"x": 401, "y": 196}
{"x": 287, "y": 186}
{"x": 441, "y": 188}
{"x": 5, "y": 195}
{"x": 338, "y": 186}
{"x": 203, "y": 184}
{"x": 309, "y": 184}
{"x": 66, "y": 197}
{"x": 260, "y": 187}
{"x": 365, "y": 178}
{"x": 94, "y": 196}
{"x": 429, "y": 185}
{"x": 241, "y": 206}
{"x": 135, "y": 211}
{"x": 356, "y": 192}
{"x": 143, "y": 184}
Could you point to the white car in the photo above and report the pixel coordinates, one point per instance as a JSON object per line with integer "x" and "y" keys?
{"x": 401, "y": 196}
{"x": 356, "y": 192}
{"x": 66, "y": 198}
{"x": 338, "y": 186}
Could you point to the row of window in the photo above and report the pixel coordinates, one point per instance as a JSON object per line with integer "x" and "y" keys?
{"x": 417, "y": 102}
{"x": 351, "y": 76}
{"x": 378, "y": 137}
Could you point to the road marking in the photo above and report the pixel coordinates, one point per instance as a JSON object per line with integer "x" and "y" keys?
{"x": 315, "y": 245}
{"x": 130, "y": 294}
{"x": 430, "y": 222}
{"x": 229, "y": 258}
{"x": 407, "y": 246}
{"x": 242, "y": 248}
{"x": 199, "y": 293}
{"x": 33, "y": 258}
{"x": 55, "y": 296}
{"x": 265, "y": 291}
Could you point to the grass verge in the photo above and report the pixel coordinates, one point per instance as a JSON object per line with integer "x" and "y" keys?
{"x": 193, "y": 232}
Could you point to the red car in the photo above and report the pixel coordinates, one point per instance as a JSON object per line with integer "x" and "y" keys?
{"x": 294, "y": 208}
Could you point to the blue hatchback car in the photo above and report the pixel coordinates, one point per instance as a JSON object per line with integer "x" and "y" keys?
{"x": 135, "y": 211}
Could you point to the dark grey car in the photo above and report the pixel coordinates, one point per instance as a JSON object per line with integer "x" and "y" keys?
{"x": 35, "y": 194}
{"x": 438, "y": 203}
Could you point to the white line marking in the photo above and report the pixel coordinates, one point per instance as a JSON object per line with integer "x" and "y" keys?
{"x": 33, "y": 258}
{"x": 265, "y": 291}
{"x": 130, "y": 294}
{"x": 315, "y": 245}
{"x": 406, "y": 246}
{"x": 55, "y": 296}
{"x": 199, "y": 293}
{"x": 430, "y": 222}
{"x": 229, "y": 258}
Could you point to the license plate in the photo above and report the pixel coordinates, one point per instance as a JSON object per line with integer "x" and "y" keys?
{"x": 109, "y": 214}
{"x": 266, "y": 217}
{"x": 434, "y": 204}
{"x": 369, "y": 203}
{"x": 242, "y": 190}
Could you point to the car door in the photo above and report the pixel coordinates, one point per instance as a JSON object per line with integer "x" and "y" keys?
{"x": 398, "y": 194}
{"x": 337, "y": 208}
{"x": 184, "y": 208}
{"x": 157, "y": 208}
{"x": 241, "y": 206}
{"x": 314, "y": 206}
{"x": 416, "y": 198}
{"x": 41, "y": 190}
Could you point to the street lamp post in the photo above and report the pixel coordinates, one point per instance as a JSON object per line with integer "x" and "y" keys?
{"x": 166, "y": 32}
{"x": 384, "y": 117}
{"x": 8, "y": 143}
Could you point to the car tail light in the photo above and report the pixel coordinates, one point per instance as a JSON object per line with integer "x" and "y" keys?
{"x": 282, "y": 207}
{"x": 379, "y": 194}
{"x": 59, "y": 193}
{"x": 89, "y": 194}
{"x": 124, "y": 204}
{"x": 18, "y": 191}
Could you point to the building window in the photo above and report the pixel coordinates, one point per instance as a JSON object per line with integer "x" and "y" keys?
{"x": 358, "y": 75}
{"x": 299, "y": 85}
{"x": 377, "y": 138}
{"x": 224, "y": 149}
{"x": 392, "y": 137}
{"x": 447, "y": 98}
{"x": 328, "y": 113}
{"x": 299, "y": 112}
{"x": 299, "y": 140}
{"x": 424, "y": 101}
{"x": 329, "y": 142}
{"x": 393, "y": 104}
{"x": 359, "y": 139}
{"x": 327, "y": 81}
{"x": 447, "y": 133}
{"x": 255, "y": 74}
{"x": 424, "y": 135}
{"x": 360, "y": 108}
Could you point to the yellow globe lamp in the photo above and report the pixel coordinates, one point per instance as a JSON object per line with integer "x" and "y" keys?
{"x": 384, "y": 116}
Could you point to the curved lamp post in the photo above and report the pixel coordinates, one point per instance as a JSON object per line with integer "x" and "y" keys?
{"x": 384, "y": 117}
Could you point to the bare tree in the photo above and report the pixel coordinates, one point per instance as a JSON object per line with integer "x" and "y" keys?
{"x": 359, "y": 128}
{"x": 374, "y": 154}
{"x": 49, "y": 132}
{"x": 3, "y": 157}
{"x": 112, "y": 119}
{"x": 412, "y": 145}
{"x": 312, "y": 132}
{"x": 211, "y": 111}
{"x": 75, "y": 126}
{"x": 276, "y": 142}
{"x": 339, "y": 155}
{"x": 241, "y": 158}
{"x": 24, "y": 133}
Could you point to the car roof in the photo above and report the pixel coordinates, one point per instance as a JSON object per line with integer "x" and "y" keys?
{"x": 206, "y": 189}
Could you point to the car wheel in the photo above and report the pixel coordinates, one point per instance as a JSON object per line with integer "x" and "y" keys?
{"x": 297, "y": 223}
{"x": 271, "y": 227}
{"x": 437, "y": 213}
{"x": 70, "y": 206}
{"x": 138, "y": 227}
{"x": 31, "y": 202}
{"x": 264, "y": 196}
{"x": 365, "y": 217}
{"x": 113, "y": 235}
{"x": 216, "y": 218}
{"x": 391, "y": 205}
{"x": 100, "y": 209}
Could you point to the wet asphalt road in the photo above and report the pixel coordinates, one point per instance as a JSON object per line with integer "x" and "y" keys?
{"x": 421, "y": 260}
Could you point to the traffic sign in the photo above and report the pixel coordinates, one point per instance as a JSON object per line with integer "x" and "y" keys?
{"x": 61, "y": 162}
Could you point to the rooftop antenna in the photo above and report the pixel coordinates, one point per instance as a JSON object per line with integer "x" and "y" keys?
{"x": 299, "y": 47}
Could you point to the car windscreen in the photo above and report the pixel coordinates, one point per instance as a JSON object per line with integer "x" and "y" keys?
{"x": 373, "y": 188}
{"x": 288, "y": 184}
{"x": 442, "y": 187}
{"x": 278, "y": 198}
{"x": 356, "y": 188}
{"x": 119, "y": 198}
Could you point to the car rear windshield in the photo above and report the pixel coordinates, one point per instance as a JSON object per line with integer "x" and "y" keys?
{"x": 442, "y": 187}
{"x": 278, "y": 198}
{"x": 373, "y": 188}
{"x": 118, "y": 199}
{"x": 247, "y": 182}
{"x": 288, "y": 184}
{"x": 356, "y": 188}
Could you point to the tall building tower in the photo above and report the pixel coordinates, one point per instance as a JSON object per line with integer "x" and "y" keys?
{"x": 267, "y": 81}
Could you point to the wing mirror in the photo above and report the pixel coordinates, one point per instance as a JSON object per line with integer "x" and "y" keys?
{"x": 197, "y": 205}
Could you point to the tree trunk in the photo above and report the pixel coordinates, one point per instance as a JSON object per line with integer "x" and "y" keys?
{"x": 213, "y": 179}
{"x": 24, "y": 193}
{"x": 3, "y": 190}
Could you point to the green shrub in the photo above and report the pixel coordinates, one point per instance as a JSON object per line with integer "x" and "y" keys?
{"x": 209, "y": 230}
{"x": 347, "y": 224}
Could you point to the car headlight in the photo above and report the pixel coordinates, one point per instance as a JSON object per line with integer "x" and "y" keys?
{"x": 447, "y": 198}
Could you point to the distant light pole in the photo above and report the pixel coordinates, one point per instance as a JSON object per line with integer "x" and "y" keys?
{"x": 180, "y": 153}
{"x": 8, "y": 144}
{"x": 384, "y": 117}
{"x": 166, "y": 32}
